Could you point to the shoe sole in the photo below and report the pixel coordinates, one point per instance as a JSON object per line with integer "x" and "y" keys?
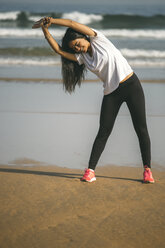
{"x": 148, "y": 181}
{"x": 92, "y": 180}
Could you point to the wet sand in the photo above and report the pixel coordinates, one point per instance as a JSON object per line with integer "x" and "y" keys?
{"x": 59, "y": 80}
{"x": 48, "y": 206}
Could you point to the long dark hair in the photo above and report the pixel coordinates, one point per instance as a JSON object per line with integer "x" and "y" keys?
{"x": 72, "y": 72}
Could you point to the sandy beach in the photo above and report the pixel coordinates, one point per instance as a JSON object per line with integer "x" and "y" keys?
{"x": 48, "y": 206}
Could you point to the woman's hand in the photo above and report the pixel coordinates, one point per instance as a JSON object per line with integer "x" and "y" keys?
{"x": 44, "y": 23}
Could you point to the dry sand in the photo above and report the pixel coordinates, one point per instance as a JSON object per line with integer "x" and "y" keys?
{"x": 48, "y": 207}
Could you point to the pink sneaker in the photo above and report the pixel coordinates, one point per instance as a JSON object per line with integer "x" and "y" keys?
{"x": 147, "y": 174}
{"x": 89, "y": 176}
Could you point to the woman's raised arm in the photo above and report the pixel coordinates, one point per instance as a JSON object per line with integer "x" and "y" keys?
{"x": 55, "y": 46}
{"x": 81, "y": 28}
{"x": 74, "y": 25}
{"x": 44, "y": 23}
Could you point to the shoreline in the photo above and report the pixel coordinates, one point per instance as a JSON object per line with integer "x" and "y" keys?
{"x": 23, "y": 164}
{"x": 59, "y": 80}
{"x": 48, "y": 206}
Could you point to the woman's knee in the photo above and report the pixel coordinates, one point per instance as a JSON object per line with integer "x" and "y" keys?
{"x": 104, "y": 132}
{"x": 142, "y": 132}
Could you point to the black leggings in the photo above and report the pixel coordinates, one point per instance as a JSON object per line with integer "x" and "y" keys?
{"x": 130, "y": 92}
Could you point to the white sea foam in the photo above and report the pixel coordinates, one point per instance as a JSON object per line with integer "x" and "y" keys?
{"x": 75, "y": 15}
{"x": 29, "y": 61}
{"x": 9, "y": 15}
{"x": 135, "y": 53}
{"x": 82, "y": 17}
{"x": 30, "y": 33}
{"x": 46, "y": 61}
{"x": 12, "y": 15}
{"x": 58, "y": 33}
{"x": 147, "y": 63}
{"x": 135, "y": 33}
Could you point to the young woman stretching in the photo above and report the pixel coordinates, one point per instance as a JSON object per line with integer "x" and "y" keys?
{"x": 83, "y": 47}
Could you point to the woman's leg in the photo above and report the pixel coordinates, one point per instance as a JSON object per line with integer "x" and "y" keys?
{"x": 109, "y": 110}
{"x": 136, "y": 104}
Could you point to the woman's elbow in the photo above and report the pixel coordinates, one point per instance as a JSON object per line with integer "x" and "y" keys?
{"x": 60, "y": 52}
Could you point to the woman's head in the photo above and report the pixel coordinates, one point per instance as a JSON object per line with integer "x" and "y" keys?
{"x": 72, "y": 72}
{"x": 75, "y": 42}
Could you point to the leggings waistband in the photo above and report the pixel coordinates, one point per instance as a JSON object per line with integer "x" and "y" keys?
{"x": 127, "y": 78}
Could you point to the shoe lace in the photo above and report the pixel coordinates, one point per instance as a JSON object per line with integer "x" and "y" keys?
{"x": 87, "y": 172}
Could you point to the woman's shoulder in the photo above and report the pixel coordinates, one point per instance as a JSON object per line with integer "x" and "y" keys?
{"x": 97, "y": 33}
{"x": 99, "y": 37}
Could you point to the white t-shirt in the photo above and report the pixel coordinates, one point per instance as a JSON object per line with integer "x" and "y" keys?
{"x": 106, "y": 62}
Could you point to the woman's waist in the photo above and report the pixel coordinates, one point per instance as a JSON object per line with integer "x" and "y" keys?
{"x": 127, "y": 77}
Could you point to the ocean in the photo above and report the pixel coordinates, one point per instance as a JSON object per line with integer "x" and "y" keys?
{"x": 137, "y": 32}
{"x": 39, "y": 121}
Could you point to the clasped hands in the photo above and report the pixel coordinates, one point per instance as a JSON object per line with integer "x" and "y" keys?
{"x": 43, "y": 23}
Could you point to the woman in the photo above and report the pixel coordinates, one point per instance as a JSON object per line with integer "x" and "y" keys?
{"x": 83, "y": 47}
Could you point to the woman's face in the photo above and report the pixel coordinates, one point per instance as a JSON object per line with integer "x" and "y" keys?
{"x": 80, "y": 45}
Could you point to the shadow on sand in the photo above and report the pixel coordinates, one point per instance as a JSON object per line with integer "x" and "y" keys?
{"x": 60, "y": 174}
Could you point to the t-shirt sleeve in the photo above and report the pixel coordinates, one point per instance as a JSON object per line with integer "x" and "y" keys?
{"x": 98, "y": 35}
{"x": 79, "y": 58}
